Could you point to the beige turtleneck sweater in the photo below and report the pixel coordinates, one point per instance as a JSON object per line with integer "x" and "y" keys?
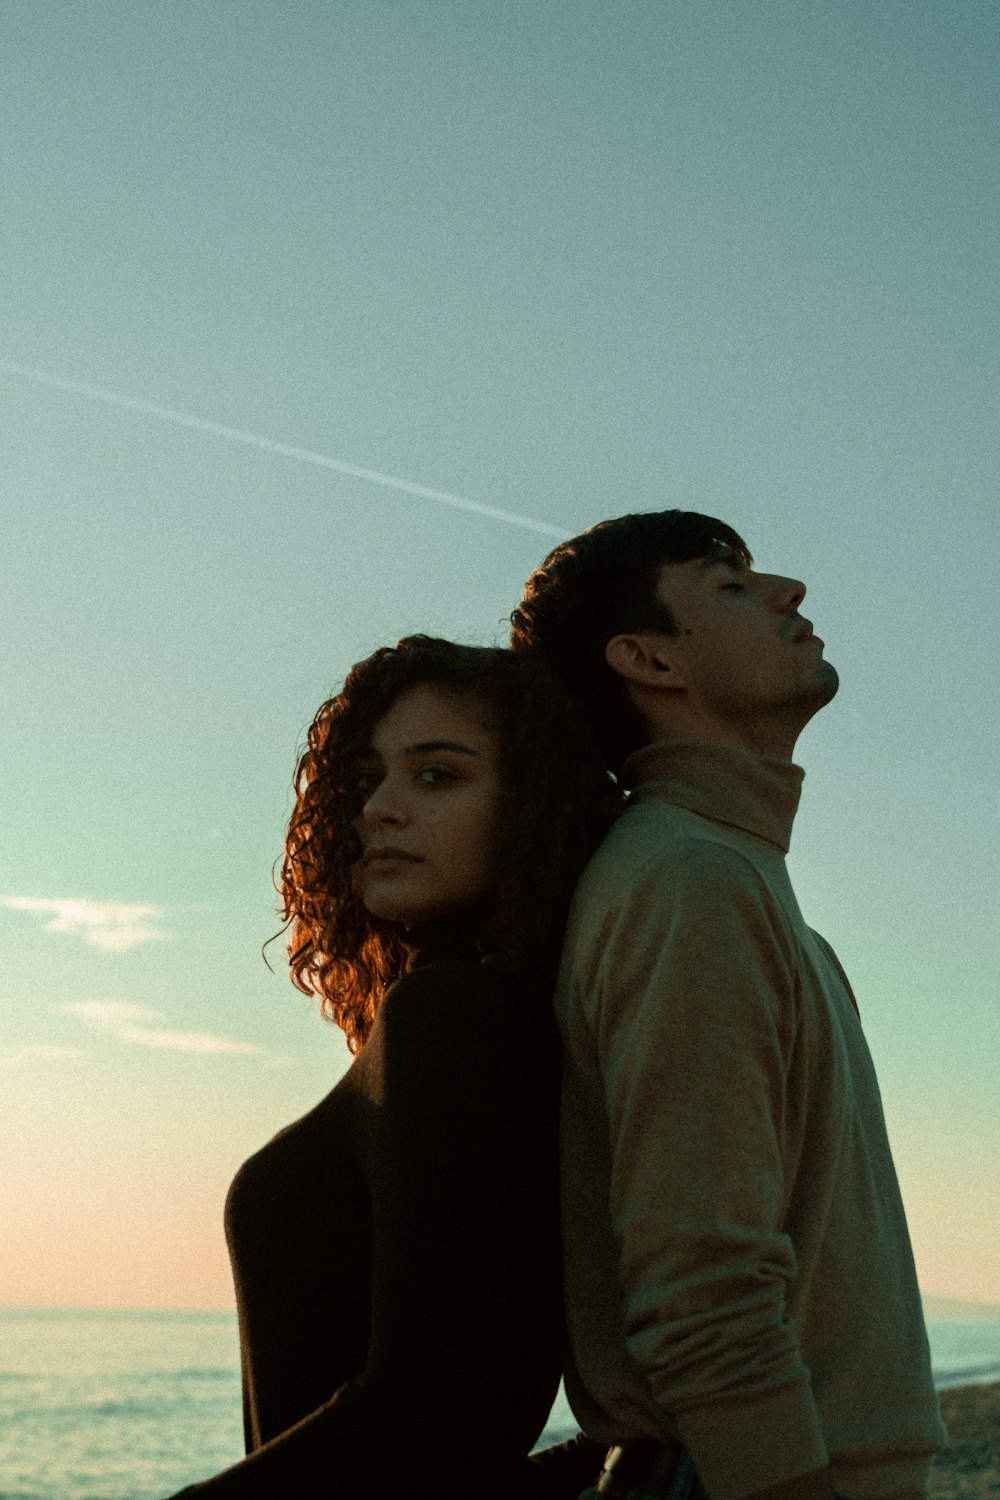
{"x": 738, "y": 1270}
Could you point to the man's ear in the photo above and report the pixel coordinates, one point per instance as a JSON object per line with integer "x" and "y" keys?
{"x": 645, "y": 659}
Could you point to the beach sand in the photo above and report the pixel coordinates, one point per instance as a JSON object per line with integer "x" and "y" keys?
{"x": 969, "y": 1468}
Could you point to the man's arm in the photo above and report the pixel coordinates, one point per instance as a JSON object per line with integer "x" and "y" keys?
{"x": 814, "y": 1486}
{"x": 695, "y": 1028}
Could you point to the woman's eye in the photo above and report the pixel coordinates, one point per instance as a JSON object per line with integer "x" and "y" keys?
{"x": 436, "y": 776}
{"x": 365, "y": 784}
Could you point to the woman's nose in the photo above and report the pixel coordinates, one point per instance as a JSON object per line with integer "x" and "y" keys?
{"x": 384, "y": 806}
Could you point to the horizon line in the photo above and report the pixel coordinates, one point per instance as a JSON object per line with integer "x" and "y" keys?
{"x": 989, "y": 1306}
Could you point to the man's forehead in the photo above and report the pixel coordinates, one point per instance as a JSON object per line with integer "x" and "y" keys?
{"x": 720, "y": 556}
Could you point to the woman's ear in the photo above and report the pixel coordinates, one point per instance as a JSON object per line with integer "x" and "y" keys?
{"x": 644, "y": 658}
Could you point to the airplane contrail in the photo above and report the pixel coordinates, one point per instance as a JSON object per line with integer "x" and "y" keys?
{"x": 271, "y": 445}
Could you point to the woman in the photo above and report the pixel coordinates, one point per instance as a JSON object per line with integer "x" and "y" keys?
{"x": 396, "y": 1251}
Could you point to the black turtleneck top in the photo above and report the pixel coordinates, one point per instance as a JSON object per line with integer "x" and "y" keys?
{"x": 396, "y": 1253}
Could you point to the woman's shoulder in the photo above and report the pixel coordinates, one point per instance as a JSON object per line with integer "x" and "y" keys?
{"x": 471, "y": 988}
{"x": 458, "y": 1007}
{"x": 453, "y": 1051}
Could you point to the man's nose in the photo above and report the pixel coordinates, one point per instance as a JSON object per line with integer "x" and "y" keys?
{"x": 789, "y": 593}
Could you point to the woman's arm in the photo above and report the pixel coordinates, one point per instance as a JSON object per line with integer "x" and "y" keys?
{"x": 467, "y": 1266}
{"x": 457, "y": 1125}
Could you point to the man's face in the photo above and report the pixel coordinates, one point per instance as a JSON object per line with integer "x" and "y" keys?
{"x": 746, "y": 656}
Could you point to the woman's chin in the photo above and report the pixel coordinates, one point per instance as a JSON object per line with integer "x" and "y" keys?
{"x": 400, "y": 913}
{"x": 387, "y": 907}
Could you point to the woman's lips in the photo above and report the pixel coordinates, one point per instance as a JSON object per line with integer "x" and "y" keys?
{"x": 388, "y": 855}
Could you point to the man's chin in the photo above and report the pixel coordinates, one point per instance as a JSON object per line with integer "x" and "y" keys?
{"x": 824, "y": 686}
{"x": 830, "y": 680}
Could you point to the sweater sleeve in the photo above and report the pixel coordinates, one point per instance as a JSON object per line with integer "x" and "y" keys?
{"x": 694, "y": 1021}
{"x": 465, "y": 1297}
{"x": 463, "y": 1358}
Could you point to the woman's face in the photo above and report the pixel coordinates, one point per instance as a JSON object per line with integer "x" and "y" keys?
{"x": 430, "y": 786}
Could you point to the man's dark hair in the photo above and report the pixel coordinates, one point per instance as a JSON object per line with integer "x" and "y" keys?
{"x": 599, "y": 585}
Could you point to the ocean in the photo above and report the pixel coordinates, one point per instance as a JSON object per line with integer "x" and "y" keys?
{"x": 99, "y": 1405}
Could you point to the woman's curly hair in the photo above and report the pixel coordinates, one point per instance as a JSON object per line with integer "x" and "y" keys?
{"x": 556, "y": 803}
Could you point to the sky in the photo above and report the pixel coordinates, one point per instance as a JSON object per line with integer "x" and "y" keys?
{"x": 321, "y": 324}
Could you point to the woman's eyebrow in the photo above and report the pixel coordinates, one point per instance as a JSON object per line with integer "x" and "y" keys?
{"x": 424, "y": 746}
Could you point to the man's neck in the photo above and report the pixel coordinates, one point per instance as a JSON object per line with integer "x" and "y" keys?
{"x": 725, "y": 783}
{"x": 759, "y": 738}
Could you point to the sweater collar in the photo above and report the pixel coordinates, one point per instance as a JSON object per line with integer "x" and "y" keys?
{"x": 455, "y": 934}
{"x": 757, "y": 793}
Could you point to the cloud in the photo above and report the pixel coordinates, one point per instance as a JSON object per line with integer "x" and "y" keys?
{"x": 183, "y": 1041}
{"x": 108, "y": 1015}
{"x": 123, "y": 1019}
{"x": 113, "y": 926}
{"x": 44, "y": 1049}
{"x": 41, "y": 1051}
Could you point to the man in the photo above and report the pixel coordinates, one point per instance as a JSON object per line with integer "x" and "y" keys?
{"x": 739, "y": 1282}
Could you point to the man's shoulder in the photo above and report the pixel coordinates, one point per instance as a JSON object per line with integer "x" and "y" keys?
{"x": 657, "y": 846}
{"x": 670, "y": 904}
{"x": 666, "y": 880}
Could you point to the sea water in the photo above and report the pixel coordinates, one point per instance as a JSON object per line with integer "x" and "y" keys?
{"x": 99, "y": 1405}
{"x": 102, "y": 1405}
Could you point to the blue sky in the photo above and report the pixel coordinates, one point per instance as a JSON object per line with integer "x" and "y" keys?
{"x": 563, "y": 260}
